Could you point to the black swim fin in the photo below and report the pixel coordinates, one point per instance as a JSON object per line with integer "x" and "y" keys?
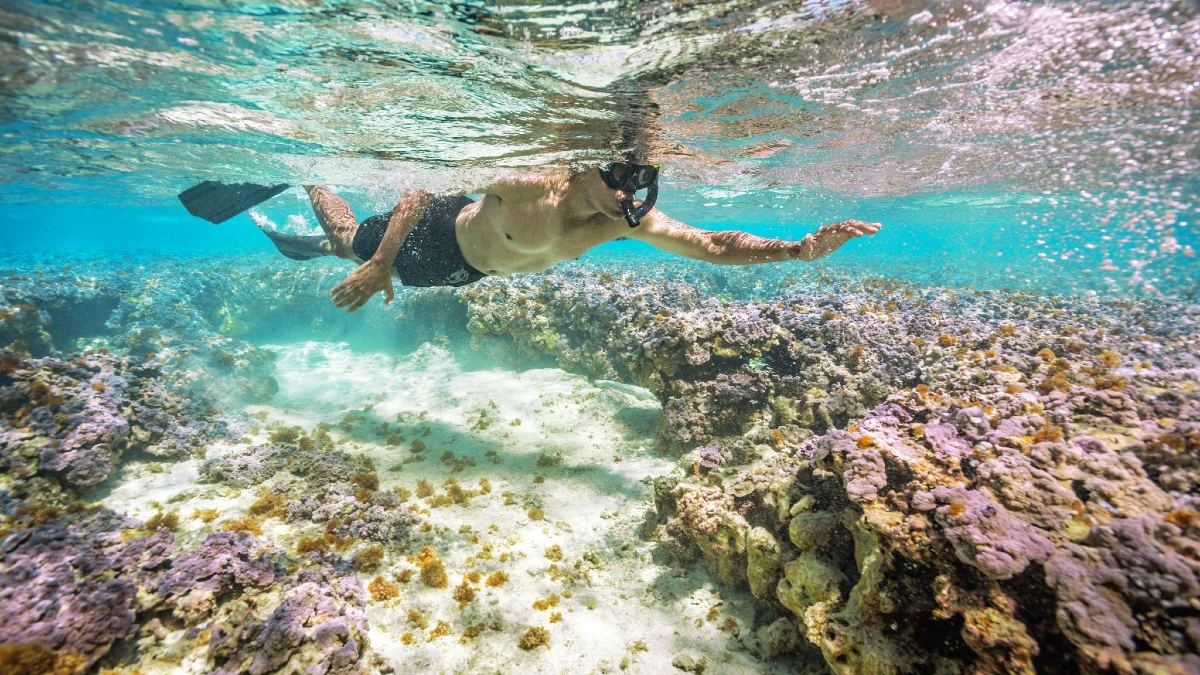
{"x": 217, "y": 202}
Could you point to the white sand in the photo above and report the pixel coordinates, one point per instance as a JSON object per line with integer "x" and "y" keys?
{"x": 594, "y": 497}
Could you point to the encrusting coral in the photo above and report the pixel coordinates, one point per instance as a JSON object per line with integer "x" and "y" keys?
{"x": 70, "y": 421}
{"x": 1041, "y": 553}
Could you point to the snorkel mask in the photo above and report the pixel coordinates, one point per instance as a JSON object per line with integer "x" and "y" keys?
{"x": 629, "y": 178}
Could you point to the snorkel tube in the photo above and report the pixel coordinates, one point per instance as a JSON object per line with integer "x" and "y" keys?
{"x": 633, "y": 216}
{"x": 624, "y": 177}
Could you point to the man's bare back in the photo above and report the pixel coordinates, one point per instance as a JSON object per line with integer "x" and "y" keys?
{"x": 529, "y": 224}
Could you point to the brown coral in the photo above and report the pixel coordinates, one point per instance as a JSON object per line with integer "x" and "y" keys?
{"x": 369, "y": 559}
{"x": 381, "y": 589}
{"x": 533, "y": 638}
{"x": 433, "y": 572}
{"x": 464, "y": 594}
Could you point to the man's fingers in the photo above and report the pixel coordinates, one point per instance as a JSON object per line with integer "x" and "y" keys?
{"x": 345, "y": 297}
{"x": 348, "y": 301}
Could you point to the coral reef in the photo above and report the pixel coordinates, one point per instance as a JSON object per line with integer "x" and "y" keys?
{"x": 249, "y": 467}
{"x": 905, "y": 478}
{"x": 1018, "y": 544}
{"x": 70, "y": 421}
{"x": 317, "y": 627}
{"x": 225, "y": 562}
{"x": 71, "y": 584}
{"x": 918, "y": 476}
{"x": 321, "y": 486}
{"x": 78, "y": 584}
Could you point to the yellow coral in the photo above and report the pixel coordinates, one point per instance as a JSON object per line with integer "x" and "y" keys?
{"x": 268, "y": 504}
{"x": 533, "y": 638}
{"x": 381, "y": 589}
{"x": 464, "y": 594}
{"x": 542, "y": 605}
{"x": 243, "y": 525}
{"x": 415, "y": 618}
{"x": 424, "y": 489}
{"x": 169, "y": 520}
{"x": 442, "y": 629}
{"x": 433, "y": 573}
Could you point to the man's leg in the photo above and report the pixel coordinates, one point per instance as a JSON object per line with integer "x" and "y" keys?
{"x": 336, "y": 219}
{"x": 296, "y": 247}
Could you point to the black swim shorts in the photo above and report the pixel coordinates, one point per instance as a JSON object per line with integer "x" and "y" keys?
{"x": 430, "y": 255}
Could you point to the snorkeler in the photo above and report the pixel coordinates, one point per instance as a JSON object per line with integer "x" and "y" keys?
{"x": 523, "y": 224}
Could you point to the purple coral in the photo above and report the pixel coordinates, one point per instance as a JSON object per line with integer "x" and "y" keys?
{"x": 318, "y": 627}
{"x": 944, "y": 440}
{"x": 710, "y": 457}
{"x": 224, "y": 562}
{"x": 74, "y": 419}
{"x": 57, "y": 588}
{"x": 247, "y": 467}
{"x": 983, "y": 533}
{"x": 1129, "y": 573}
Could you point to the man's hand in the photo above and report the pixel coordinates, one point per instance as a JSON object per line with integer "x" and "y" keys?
{"x": 370, "y": 278}
{"x": 829, "y": 238}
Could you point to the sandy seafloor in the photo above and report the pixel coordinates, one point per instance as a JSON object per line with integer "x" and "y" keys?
{"x": 628, "y": 614}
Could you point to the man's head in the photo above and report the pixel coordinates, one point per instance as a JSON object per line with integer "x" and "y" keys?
{"x": 626, "y": 179}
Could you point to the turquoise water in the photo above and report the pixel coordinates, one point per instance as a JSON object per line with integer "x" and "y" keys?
{"x": 1050, "y": 147}
{"x": 984, "y": 240}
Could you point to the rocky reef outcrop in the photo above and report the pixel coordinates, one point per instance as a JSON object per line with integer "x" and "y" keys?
{"x": 912, "y": 478}
{"x": 75, "y": 588}
{"x": 67, "y": 422}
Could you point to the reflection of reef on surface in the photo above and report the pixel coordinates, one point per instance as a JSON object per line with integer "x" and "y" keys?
{"x": 903, "y": 477}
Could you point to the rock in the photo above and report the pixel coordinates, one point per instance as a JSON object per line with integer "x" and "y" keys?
{"x": 762, "y": 563}
{"x": 690, "y": 664}
{"x": 780, "y": 637}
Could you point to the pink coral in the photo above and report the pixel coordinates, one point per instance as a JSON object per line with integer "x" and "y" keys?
{"x": 702, "y": 509}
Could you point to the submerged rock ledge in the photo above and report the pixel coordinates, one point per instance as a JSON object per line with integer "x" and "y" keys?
{"x": 907, "y": 478}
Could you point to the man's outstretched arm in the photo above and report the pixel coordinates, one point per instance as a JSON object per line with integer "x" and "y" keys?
{"x": 733, "y": 247}
{"x": 375, "y": 274}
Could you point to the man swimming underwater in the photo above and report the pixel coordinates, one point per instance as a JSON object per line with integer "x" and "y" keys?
{"x": 524, "y": 225}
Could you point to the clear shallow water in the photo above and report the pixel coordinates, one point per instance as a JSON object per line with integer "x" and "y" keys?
{"x": 1003, "y": 144}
